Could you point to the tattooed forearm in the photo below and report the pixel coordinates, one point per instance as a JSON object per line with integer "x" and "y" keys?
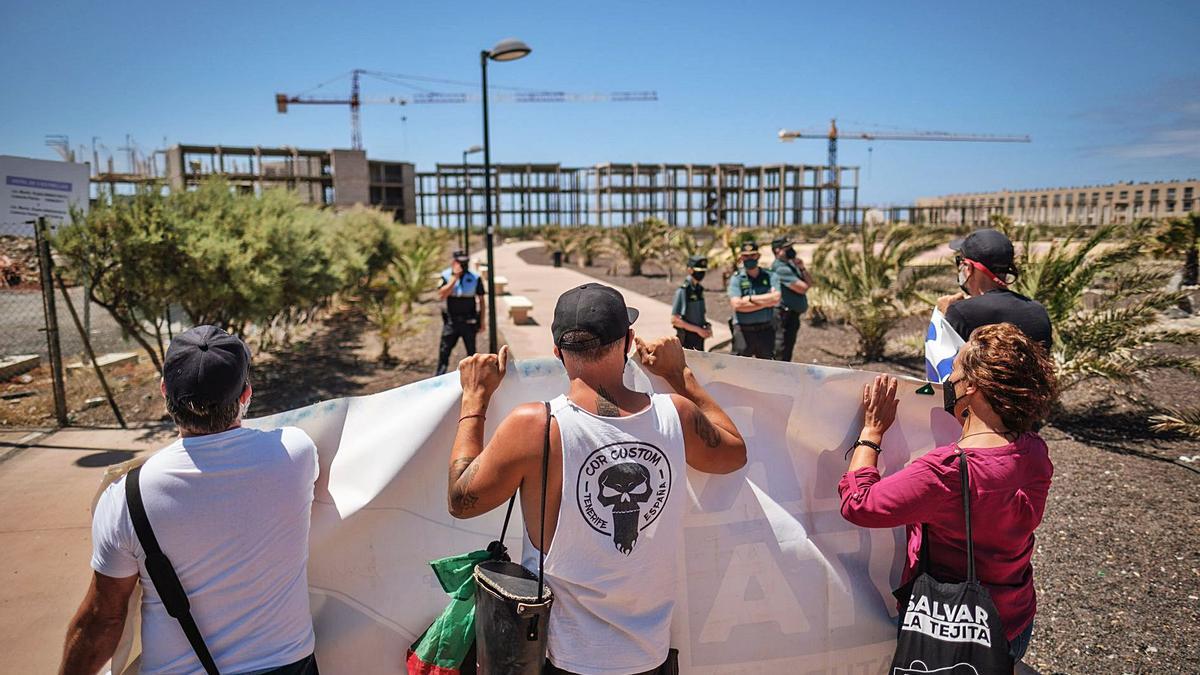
{"x": 462, "y": 472}
{"x": 706, "y": 431}
{"x": 605, "y": 407}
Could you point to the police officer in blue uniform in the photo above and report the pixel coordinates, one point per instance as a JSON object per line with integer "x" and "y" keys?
{"x": 465, "y": 305}
{"x": 688, "y": 310}
{"x": 753, "y": 301}
{"x": 792, "y": 281}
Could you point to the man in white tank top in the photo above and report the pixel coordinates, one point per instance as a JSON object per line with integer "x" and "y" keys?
{"x": 615, "y": 489}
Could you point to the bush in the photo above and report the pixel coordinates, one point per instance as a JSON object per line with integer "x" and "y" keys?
{"x": 250, "y": 264}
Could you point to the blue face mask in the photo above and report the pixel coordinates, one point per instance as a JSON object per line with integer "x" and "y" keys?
{"x": 750, "y": 263}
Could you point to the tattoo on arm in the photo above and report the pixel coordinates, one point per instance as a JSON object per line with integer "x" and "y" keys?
{"x": 462, "y": 472}
{"x": 605, "y": 407}
{"x": 706, "y": 431}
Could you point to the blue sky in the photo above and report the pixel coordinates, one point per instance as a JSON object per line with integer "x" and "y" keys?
{"x": 1108, "y": 90}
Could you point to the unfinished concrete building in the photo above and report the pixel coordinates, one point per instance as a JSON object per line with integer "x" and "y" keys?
{"x": 339, "y": 178}
{"x": 618, "y": 194}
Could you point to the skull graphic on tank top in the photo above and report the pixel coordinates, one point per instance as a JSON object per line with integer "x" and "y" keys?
{"x": 621, "y": 490}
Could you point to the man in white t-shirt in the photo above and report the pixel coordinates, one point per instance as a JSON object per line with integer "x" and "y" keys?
{"x": 230, "y": 509}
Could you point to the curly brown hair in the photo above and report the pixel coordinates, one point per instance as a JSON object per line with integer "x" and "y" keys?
{"x": 1013, "y": 372}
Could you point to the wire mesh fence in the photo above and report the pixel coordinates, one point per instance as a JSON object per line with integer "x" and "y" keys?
{"x": 27, "y": 396}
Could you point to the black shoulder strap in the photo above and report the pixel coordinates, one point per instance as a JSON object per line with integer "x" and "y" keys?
{"x": 170, "y": 591}
{"x": 965, "y": 479}
{"x": 542, "y": 527}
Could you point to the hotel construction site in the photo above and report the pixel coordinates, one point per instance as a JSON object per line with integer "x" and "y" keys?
{"x": 613, "y": 194}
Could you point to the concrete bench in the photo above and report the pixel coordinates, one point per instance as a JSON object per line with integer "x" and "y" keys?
{"x": 105, "y": 362}
{"x": 501, "y": 285}
{"x": 519, "y": 308}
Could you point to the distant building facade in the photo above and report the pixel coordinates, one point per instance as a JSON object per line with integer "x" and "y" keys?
{"x": 1114, "y": 203}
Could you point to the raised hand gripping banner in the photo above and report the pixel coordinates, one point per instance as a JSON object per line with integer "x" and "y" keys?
{"x": 773, "y": 579}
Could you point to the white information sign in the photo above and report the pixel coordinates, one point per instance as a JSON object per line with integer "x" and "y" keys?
{"x": 30, "y": 188}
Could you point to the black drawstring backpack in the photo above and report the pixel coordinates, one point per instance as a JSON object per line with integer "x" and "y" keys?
{"x": 949, "y": 627}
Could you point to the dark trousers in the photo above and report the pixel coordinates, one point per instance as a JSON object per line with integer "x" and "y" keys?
{"x": 451, "y": 332}
{"x": 787, "y": 325}
{"x": 668, "y": 667}
{"x": 756, "y": 339}
{"x": 690, "y": 340}
{"x": 305, "y": 666}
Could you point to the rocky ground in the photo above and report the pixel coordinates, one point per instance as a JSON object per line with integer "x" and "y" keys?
{"x": 1117, "y": 567}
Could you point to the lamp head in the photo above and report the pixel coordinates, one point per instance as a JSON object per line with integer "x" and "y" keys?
{"x": 509, "y": 49}
{"x": 473, "y": 149}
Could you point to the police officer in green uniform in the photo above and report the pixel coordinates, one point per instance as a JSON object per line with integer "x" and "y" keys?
{"x": 753, "y": 301}
{"x": 792, "y": 281}
{"x": 464, "y": 306}
{"x": 688, "y": 311}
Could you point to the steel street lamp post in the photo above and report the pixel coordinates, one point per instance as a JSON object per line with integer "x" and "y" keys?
{"x": 509, "y": 49}
{"x": 466, "y": 234}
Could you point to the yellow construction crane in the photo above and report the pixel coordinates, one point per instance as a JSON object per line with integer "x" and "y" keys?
{"x": 832, "y": 172}
{"x": 424, "y": 96}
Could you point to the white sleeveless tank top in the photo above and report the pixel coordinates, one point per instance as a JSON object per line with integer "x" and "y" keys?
{"x": 612, "y": 563}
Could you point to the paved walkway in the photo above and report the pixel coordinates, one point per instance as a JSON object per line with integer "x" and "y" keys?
{"x": 46, "y": 495}
{"x": 542, "y": 284}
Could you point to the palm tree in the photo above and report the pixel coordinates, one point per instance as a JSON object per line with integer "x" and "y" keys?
{"x": 864, "y": 276}
{"x": 589, "y": 242}
{"x": 559, "y": 240}
{"x": 1117, "y": 338}
{"x": 411, "y": 274}
{"x": 640, "y": 243}
{"x": 1182, "y": 235}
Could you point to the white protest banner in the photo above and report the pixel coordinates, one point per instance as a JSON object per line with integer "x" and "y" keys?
{"x": 774, "y": 580}
{"x": 30, "y": 188}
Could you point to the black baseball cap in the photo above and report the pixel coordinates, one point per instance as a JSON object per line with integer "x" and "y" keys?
{"x": 206, "y": 366}
{"x": 461, "y": 256}
{"x": 596, "y": 309}
{"x": 748, "y": 247}
{"x": 988, "y": 247}
{"x": 782, "y": 242}
{"x": 697, "y": 262}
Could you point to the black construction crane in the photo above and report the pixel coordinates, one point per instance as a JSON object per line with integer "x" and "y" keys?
{"x": 832, "y": 172}
{"x": 423, "y": 96}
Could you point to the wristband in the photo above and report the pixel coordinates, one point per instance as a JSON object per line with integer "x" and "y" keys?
{"x": 870, "y": 444}
{"x": 464, "y": 417}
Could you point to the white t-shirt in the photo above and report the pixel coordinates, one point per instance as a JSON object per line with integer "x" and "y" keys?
{"x": 231, "y": 511}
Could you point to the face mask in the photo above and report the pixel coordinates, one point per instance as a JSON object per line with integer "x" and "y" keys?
{"x": 962, "y": 280}
{"x": 790, "y": 254}
{"x": 750, "y": 263}
{"x": 244, "y": 409}
{"x": 949, "y": 396}
{"x": 698, "y": 275}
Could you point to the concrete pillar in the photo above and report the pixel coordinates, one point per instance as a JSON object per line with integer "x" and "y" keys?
{"x": 351, "y": 178}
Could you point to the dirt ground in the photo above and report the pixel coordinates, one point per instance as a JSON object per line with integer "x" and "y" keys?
{"x": 1117, "y": 566}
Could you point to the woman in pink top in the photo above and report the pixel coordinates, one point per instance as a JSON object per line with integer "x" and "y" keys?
{"x": 1002, "y": 386}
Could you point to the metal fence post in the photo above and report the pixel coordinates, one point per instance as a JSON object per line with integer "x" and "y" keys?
{"x": 46, "y": 271}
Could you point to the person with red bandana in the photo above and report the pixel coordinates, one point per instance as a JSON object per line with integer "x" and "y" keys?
{"x": 985, "y": 265}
